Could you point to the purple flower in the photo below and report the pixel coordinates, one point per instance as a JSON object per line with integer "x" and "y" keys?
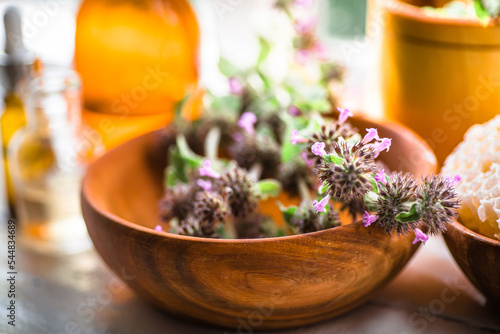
{"x": 420, "y": 236}
{"x": 305, "y": 25}
{"x": 309, "y": 162}
{"x": 303, "y": 56}
{"x": 235, "y": 86}
{"x": 380, "y": 177}
{"x": 318, "y": 149}
{"x": 237, "y": 136}
{"x": 294, "y": 111}
{"x": 247, "y": 121}
{"x": 384, "y": 144}
{"x": 321, "y": 51}
{"x": 321, "y": 205}
{"x": 207, "y": 170}
{"x": 344, "y": 114}
{"x": 372, "y": 134}
{"x": 295, "y": 138}
{"x": 204, "y": 184}
{"x": 455, "y": 180}
{"x": 368, "y": 219}
{"x": 158, "y": 228}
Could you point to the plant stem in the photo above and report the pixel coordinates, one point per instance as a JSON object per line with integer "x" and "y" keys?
{"x": 255, "y": 171}
{"x": 303, "y": 190}
{"x": 212, "y": 143}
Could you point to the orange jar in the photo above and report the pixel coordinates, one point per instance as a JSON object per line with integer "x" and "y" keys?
{"x": 136, "y": 59}
{"x": 440, "y": 75}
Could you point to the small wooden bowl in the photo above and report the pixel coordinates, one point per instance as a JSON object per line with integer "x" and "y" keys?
{"x": 478, "y": 257}
{"x": 252, "y": 284}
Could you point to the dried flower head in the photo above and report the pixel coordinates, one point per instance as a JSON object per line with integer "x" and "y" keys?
{"x": 209, "y": 209}
{"x": 438, "y": 203}
{"x": 190, "y": 226}
{"x": 396, "y": 196}
{"x": 238, "y": 188}
{"x": 348, "y": 179}
{"x": 257, "y": 149}
{"x": 177, "y": 202}
{"x": 329, "y": 134}
{"x": 307, "y": 220}
{"x": 290, "y": 173}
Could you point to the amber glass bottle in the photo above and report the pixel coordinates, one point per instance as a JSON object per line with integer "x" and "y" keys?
{"x": 136, "y": 59}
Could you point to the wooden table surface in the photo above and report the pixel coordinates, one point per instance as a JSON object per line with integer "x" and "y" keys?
{"x": 78, "y": 294}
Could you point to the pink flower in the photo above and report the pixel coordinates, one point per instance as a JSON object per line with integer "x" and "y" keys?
{"x": 235, "y": 86}
{"x": 303, "y": 56}
{"x": 207, "y": 170}
{"x": 158, "y": 228}
{"x": 318, "y": 149}
{"x": 344, "y": 114}
{"x": 368, "y": 219}
{"x": 380, "y": 177}
{"x": 309, "y": 162}
{"x": 420, "y": 236}
{"x": 204, "y": 184}
{"x": 237, "y": 136}
{"x": 372, "y": 134}
{"x": 321, "y": 205}
{"x": 294, "y": 111}
{"x": 384, "y": 144}
{"x": 303, "y": 3}
{"x": 305, "y": 25}
{"x": 321, "y": 51}
{"x": 455, "y": 180}
{"x": 247, "y": 121}
{"x": 295, "y": 138}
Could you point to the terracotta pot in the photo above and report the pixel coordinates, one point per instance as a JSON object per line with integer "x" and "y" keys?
{"x": 438, "y": 76}
{"x": 259, "y": 284}
{"x": 478, "y": 257}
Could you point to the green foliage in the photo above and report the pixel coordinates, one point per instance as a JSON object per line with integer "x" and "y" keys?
{"x": 410, "y": 216}
{"x": 268, "y": 188}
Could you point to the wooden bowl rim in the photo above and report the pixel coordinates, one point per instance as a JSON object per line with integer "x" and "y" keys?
{"x": 461, "y": 228}
{"x": 412, "y": 12}
{"x": 112, "y": 217}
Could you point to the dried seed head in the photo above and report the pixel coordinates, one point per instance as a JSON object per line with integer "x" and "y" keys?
{"x": 177, "y": 202}
{"x": 349, "y": 180}
{"x": 209, "y": 209}
{"x": 394, "y": 197}
{"x": 191, "y": 226}
{"x": 306, "y": 219}
{"x": 253, "y": 149}
{"x": 439, "y": 203}
{"x": 239, "y": 189}
{"x": 329, "y": 134}
{"x": 290, "y": 173}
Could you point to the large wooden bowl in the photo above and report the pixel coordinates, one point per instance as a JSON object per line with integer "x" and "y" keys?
{"x": 478, "y": 257}
{"x": 250, "y": 283}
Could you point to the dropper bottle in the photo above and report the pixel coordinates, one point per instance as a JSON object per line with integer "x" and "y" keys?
{"x": 17, "y": 64}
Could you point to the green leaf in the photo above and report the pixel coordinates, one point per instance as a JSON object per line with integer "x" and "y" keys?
{"x": 333, "y": 159}
{"x": 227, "y": 68}
{"x": 265, "y": 48}
{"x": 287, "y": 212}
{"x": 323, "y": 189}
{"x": 269, "y": 188}
{"x": 410, "y": 216}
{"x": 481, "y": 12}
{"x": 374, "y": 185}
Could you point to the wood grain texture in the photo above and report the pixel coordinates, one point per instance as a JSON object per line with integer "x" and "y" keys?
{"x": 258, "y": 284}
{"x": 478, "y": 257}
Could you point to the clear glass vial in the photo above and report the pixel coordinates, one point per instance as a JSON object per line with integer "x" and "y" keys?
{"x": 47, "y": 160}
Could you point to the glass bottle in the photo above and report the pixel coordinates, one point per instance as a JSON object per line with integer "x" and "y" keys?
{"x": 47, "y": 159}
{"x": 137, "y": 60}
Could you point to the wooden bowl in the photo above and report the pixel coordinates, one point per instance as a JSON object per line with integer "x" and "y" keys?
{"x": 252, "y": 284}
{"x": 478, "y": 257}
